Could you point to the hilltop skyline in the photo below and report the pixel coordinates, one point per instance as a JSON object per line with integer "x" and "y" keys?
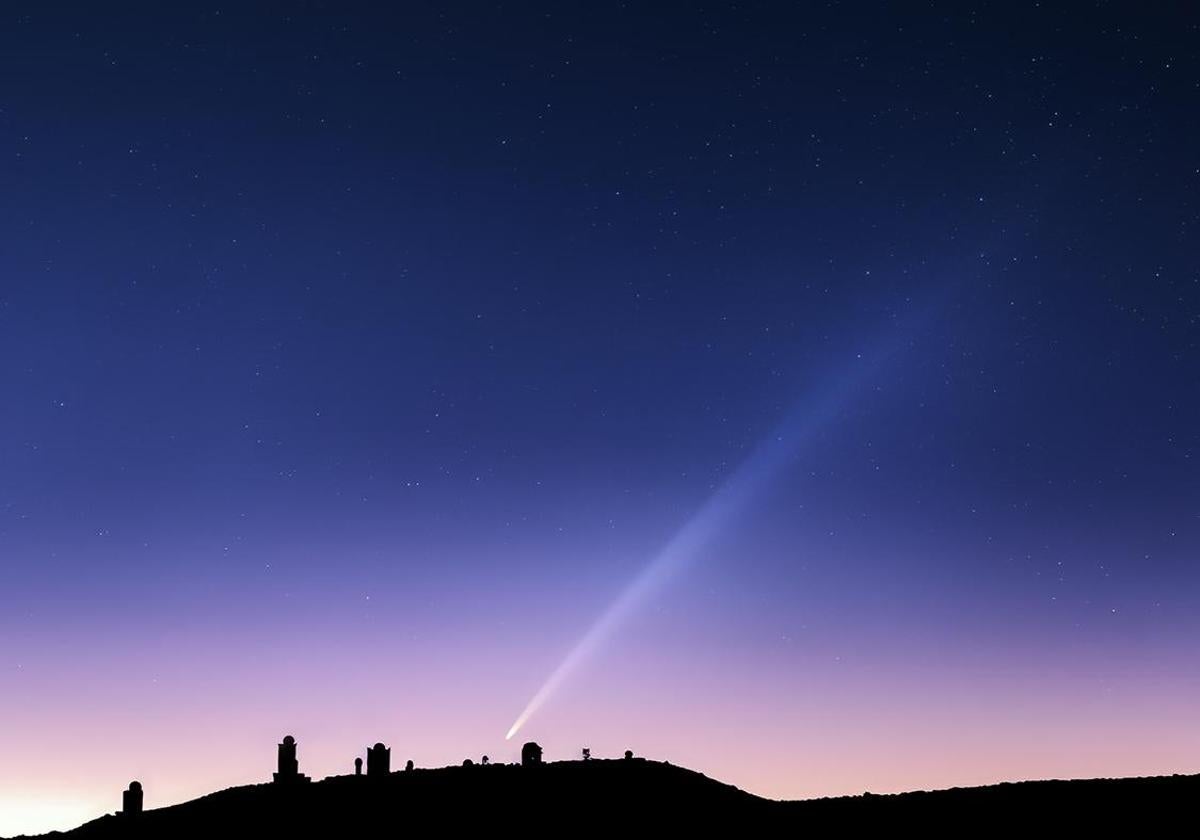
{"x": 361, "y": 366}
{"x": 634, "y": 792}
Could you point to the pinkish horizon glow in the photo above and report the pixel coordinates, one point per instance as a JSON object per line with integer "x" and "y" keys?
{"x": 942, "y": 722}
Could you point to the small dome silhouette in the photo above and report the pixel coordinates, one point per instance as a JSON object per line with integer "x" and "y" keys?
{"x": 289, "y": 740}
{"x": 135, "y": 785}
{"x": 379, "y": 745}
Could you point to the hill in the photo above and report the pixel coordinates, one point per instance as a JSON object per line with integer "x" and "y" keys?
{"x": 637, "y": 796}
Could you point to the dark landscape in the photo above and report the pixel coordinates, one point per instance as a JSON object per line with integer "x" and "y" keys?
{"x": 635, "y": 795}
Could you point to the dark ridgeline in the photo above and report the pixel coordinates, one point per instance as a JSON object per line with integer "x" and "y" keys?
{"x": 632, "y": 796}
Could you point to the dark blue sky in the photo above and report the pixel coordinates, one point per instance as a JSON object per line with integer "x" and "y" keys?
{"x": 467, "y": 306}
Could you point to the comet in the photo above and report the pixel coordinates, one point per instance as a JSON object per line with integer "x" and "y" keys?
{"x": 766, "y": 462}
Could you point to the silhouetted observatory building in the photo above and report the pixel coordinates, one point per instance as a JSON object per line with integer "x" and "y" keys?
{"x": 131, "y": 800}
{"x": 289, "y": 767}
{"x": 531, "y": 754}
{"x": 379, "y": 761}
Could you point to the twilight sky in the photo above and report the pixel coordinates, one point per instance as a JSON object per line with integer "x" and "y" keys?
{"x": 353, "y": 361}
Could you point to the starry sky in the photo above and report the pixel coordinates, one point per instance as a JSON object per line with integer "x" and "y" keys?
{"x": 353, "y": 360}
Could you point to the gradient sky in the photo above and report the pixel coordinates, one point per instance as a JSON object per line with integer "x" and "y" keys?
{"x": 353, "y": 361}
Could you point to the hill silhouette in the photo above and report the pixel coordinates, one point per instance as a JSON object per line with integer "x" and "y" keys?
{"x": 636, "y": 796}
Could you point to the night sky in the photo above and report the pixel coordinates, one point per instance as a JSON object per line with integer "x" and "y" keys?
{"x": 354, "y": 361}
